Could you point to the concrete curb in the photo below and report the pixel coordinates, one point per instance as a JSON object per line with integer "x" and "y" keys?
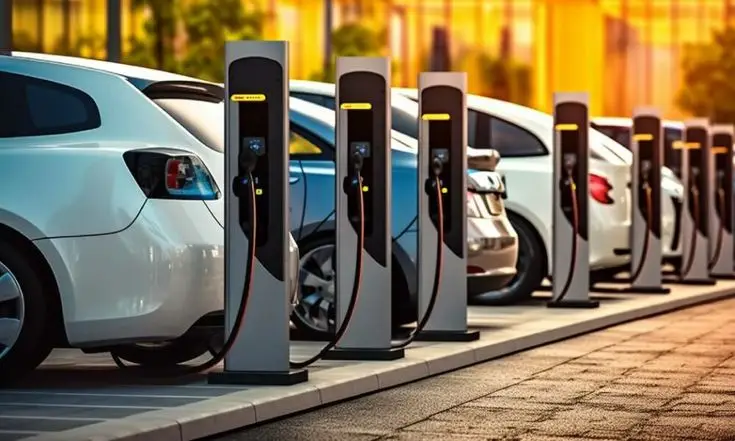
{"x": 240, "y": 409}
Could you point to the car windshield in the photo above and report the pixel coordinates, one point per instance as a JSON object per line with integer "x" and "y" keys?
{"x": 203, "y": 119}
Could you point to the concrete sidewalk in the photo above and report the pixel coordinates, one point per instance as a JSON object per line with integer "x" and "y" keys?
{"x": 78, "y": 399}
{"x": 666, "y": 378}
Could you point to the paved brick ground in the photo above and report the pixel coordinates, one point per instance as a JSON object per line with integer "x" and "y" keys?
{"x": 668, "y": 378}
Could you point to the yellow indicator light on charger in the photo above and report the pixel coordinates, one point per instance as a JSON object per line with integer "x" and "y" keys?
{"x": 435, "y": 117}
{"x": 566, "y": 127}
{"x": 719, "y": 150}
{"x": 365, "y": 188}
{"x": 356, "y": 106}
{"x": 444, "y": 190}
{"x": 574, "y": 186}
{"x": 693, "y": 145}
{"x": 643, "y": 137}
{"x": 258, "y": 191}
{"x": 248, "y": 97}
{"x": 678, "y": 145}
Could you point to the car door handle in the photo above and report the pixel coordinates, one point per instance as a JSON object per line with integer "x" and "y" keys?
{"x": 293, "y": 179}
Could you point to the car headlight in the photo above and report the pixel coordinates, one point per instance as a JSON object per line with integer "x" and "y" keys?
{"x": 474, "y": 245}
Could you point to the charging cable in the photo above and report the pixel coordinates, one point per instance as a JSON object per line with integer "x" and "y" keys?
{"x": 358, "y": 275}
{"x": 694, "y": 193}
{"x": 185, "y": 370}
{"x": 649, "y": 213}
{"x": 438, "y": 266}
{"x": 721, "y": 204}
{"x": 575, "y": 229}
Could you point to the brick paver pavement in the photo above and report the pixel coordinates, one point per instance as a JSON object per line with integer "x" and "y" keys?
{"x": 668, "y": 378}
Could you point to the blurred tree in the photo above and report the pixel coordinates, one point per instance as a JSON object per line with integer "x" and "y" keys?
{"x": 87, "y": 46}
{"x": 351, "y": 40}
{"x": 156, "y": 47}
{"x": 208, "y": 24}
{"x": 22, "y": 41}
{"x": 506, "y": 80}
{"x": 708, "y": 70}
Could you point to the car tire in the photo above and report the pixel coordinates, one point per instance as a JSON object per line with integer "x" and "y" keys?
{"x": 531, "y": 268}
{"x": 25, "y": 306}
{"x": 313, "y": 253}
{"x": 164, "y": 354}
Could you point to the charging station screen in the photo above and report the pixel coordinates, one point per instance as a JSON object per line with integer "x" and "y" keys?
{"x": 723, "y": 175}
{"x": 253, "y": 127}
{"x": 570, "y": 148}
{"x": 440, "y": 140}
{"x": 359, "y": 136}
{"x": 698, "y": 174}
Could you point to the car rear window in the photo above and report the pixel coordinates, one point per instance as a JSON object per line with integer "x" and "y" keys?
{"x": 205, "y": 120}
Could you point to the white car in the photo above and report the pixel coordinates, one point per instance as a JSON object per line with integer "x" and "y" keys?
{"x": 104, "y": 243}
{"x": 523, "y": 137}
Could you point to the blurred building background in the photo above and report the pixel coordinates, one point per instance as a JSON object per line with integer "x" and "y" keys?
{"x": 624, "y": 52}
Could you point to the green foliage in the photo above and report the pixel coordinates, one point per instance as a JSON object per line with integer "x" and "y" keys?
{"x": 208, "y": 24}
{"x": 708, "y": 70}
{"x": 351, "y": 40}
{"x": 88, "y": 46}
{"x": 505, "y": 79}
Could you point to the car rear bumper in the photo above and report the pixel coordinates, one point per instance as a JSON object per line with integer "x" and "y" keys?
{"x": 492, "y": 253}
{"x": 151, "y": 281}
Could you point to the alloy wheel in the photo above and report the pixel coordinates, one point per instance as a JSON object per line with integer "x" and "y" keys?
{"x": 315, "y": 298}
{"x": 12, "y": 310}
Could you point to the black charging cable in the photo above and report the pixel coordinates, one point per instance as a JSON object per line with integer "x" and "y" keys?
{"x": 694, "y": 193}
{"x": 358, "y": 162}
{"x": 648, "y": 192}
{"x": 572, "y": 186}
{"x": 185, "y": 370}
{"x": 720, "y": 230}
{"x": 438, "y": 266}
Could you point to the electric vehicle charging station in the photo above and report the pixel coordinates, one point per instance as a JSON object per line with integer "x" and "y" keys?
{"x": 721, "y": 206}
{"x": 256, "y": 215}
{"x": 647, "y": 146}
{"x": 442, "y": 218}
{"x": 571, "y": 277}
{"x": 695, "y": 175}
{"x": 363, "y": 204}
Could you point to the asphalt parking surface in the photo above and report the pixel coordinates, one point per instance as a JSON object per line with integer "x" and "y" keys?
{"x": 668, "y": 378}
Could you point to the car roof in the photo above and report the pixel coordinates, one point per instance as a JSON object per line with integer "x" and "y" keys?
{"x": 617, "y": 121}
{"x": 142, "y": 74}
{"x": 329, "y": 89}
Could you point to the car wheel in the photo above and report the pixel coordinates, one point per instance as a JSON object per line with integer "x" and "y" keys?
{"x": 24, "y": 316}
{"x": 166, "y": 353}
{"x": 530, "y": 268}
{"x": 314, "y": 313}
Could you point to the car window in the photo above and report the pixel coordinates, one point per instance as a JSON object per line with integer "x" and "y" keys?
{"x": 205, "y": 120}
{"x": 319, "y": 100}
{"x": 508, "y": 139}
{"x": 35, "y": 107}
{"x": 619, "y": 134}
{"x": 298, "y": 145}
{"x": 672, "y": 158}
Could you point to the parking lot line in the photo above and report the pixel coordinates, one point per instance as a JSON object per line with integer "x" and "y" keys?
{"x": 87, "y": 394}
{"x": 85, "y": 406}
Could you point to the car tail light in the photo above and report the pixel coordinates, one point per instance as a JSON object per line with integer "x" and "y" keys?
{"x": 472, "y": 209}
{"x": 171, "y": 174}
{"x": 600, "y": 189}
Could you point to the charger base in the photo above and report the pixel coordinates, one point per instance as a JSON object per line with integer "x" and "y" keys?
{"x": 362, "y": 354}
{"x": 723, "y": 276}
{"x": 448, "y": 336}
{"x": 573, "y": 304}
{"x": 634, "y": 290}
{"x": 259, "y": 378}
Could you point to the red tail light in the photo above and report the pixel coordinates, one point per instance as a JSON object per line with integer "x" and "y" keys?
{"x": 600, "y": 189}
{"x": 171, "y": 174}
